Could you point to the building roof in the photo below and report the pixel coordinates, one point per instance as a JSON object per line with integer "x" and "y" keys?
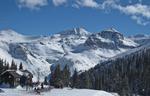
{"x": 26, "y": 71}
{"x": 12, "y": 72}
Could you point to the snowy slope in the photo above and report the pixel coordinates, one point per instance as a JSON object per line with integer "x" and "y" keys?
{"x": 12, "y": 36}
{"x": 56, "y": 92}
{"x": 76, "y": 47}
{"x": 140, "y": 38}
{"x": 132, "y": 51}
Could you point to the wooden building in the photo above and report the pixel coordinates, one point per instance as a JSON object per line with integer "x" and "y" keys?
{"x": 10, "y": 77}
{"x": 13, "y": 78}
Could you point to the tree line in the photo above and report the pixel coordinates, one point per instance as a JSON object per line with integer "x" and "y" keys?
{"x": 62, "y": 78}
{"x": 127, "y": 75}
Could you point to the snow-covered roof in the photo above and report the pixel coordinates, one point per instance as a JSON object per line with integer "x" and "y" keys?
{"x": 12, "y": 72}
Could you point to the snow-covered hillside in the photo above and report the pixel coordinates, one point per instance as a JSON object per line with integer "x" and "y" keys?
{"x": 56, "y": 92}
{"x": 77, "y": 47}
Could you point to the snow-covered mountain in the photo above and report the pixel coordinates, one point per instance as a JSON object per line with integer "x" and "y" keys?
{"x": 110, "y": 39}
{"x": 77, "y": 47}
{"x": 141, "y": 39}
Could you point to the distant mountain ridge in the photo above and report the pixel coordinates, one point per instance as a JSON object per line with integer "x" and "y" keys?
{"x": 77, "y": 48}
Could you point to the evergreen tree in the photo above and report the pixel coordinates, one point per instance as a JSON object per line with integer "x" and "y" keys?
{"x": 124, "y": 91}
{"x": 86, "y": 80}
{"x": 45, "y": 81}
{"x": 75, "y": 79}
{"x": 56, "y": 77}
{"x": 21, "y": 66}
{"x": 13, "y": 65}
{"x": 66, "y": 75}
{"x": 1, "y": 66}
{"x": 6, "y": 66}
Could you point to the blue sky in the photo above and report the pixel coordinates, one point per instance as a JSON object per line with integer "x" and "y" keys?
{"x": 44, "y": 17}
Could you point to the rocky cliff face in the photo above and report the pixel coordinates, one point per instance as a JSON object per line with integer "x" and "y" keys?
{"x": 110, "y": 39}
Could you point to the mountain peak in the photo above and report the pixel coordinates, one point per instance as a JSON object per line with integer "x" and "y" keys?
{"x": 111, "y": 30}
{"x": 109, "y": 39}
{"x": 111, "y": 33}
{"x": 75, "y": 31}
{"x": 9, "y": 32}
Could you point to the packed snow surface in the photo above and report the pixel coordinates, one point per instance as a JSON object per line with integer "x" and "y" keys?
{"x": 55, "y": 92}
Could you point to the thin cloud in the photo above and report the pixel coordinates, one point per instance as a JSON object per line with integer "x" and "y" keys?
{"x": 140, "y": 20}
{"x": 108, "y": 4}
{"x": 59, "y": 2}
{"x": 138, "y": 12}
{"x": 87, "y": 3}
{"x": 137, "y": 9}
{"x": 32, "y": 4}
